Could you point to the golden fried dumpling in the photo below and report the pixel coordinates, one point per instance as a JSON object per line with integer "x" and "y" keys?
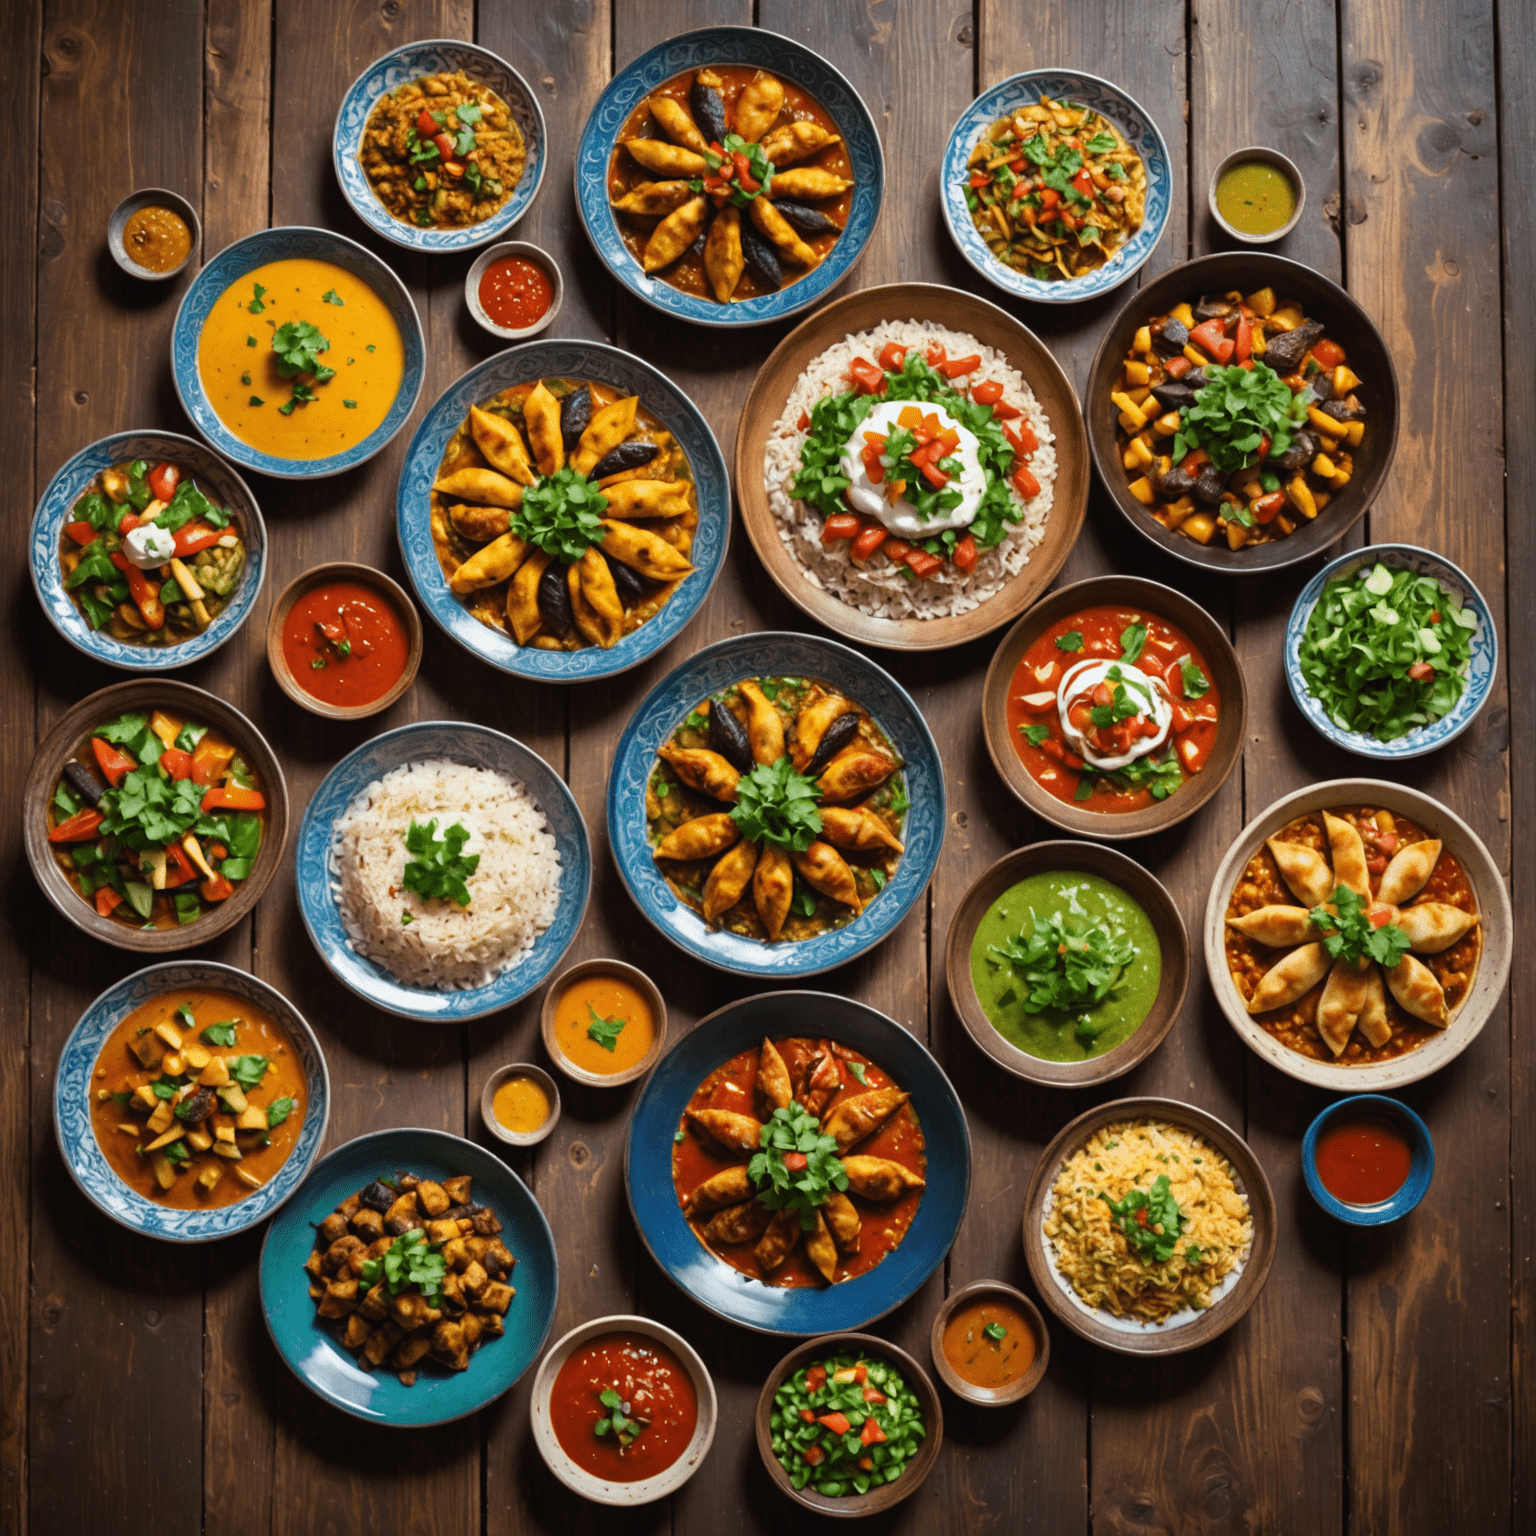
{"x": 878, "y": 1178}
{"x": 1303, "y": 869}
{"x": 1277, "y": 926}
{"x": 820, "y": 1080}
{"x": 644, "y": 551}
{"x": 812, "y": 723}
{"x": 1409, "y": 871}
{"x": 820, "y": 1249}
{"x": 728, "y": 1187}
{"x": 674, "y": 234}
{"x": 797, "y": 141}
{"x": 480, "y": 524}
{"x": 843, "y": 1221}
{"x": 595, "y": 605}
{"x": 757, "y": 107}
{"x": 723, "y": 257}
{"x": 1344, "y": 995}
{"x": 807, "y": 183}
{"x": 1348, "y": 851}
{"x": 856, "y": 829}
{"x": 781, "y": 232}
{"x": 765, "y": 728}
{"x": 778, "y": 1242}
{"x": 523, "y": 597}
{"x": 673, "y": 120}
{"x": 735, "y": 1132}
{"x": 664, "y": 159}
{"x": 654, "y": 199}
{"x": 772, "y": 1087}
{"x": 773, "y": 884}
{"x": 646, "y": 498}
{"x": 701, "y": 838}
{"x": 541, "y": 411}
{"x": 853, "y": 1118}
{"x": 824, "y": 869}
{"x": 483, "y": 485}
{"x": 1433, "y": 926}
{"x": 1373, "y": 1022}
{"x": 503, "y": 445}
{"x": 1290, "y": 978}
{"x": 487, "y": 566}
{"x": 742, "y": 1223}
{"x": 728, "y": 878}
{"x": 854, "y": 771}
{"x": 607, "y": 429}
{"x": 1416, "y": 988}
{"x": 703, "y": 770}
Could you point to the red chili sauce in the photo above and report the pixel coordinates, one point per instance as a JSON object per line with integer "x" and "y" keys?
{"x": 653, "y": 1386}
{"x": 345, "y": 643}
{"x": 515, "y": 293}
{"x": 1033, "y": 701}
{"x": 1363, "y": 1160}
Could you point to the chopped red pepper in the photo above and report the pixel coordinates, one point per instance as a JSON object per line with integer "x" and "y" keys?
{"x": 144, "y": 592}
{"x": 81, "y": 533}
{"x": 965, "y": 555}
{"x": 1005, "y": 412}
{"x": 836, "y": 1422}
{"x": 936, "y": 354}
{"x": 193, "y": 537}
{"x": 231, "y": 797}
{"x": 1028, "y": 487}
{"x": 892, "y": 356}
{"x": 958, "y": 366}
{"x": 871, "y": 1434}
{"x": 163, "y": 480}
{"x": 980, "y": 179}
{"x": 988, "y": 392}
{"x": 842, "y": 525}
{"x": 1267, "y": 508}
{"x": 868, "y": 542}
{"x": 867, "y": 378}
{"x": 1243, "y": 340}
{"x": 1083, "y": 183}
{"x": 176, "y": 763}
{"x": 179, "y": 869}
{"x": 935, "y": 476}
{"x": 921, "y": 563}
{"x": 79, "y": 828}
{"x": 115, "y": 766}
{"x": 107, "y": 901}
{"x": 873, "y": 1395}
{"x": 795, "y": 1161}
{"x": 807, "y": 1415}
{"x": 1209, "y": 335}
{"x": 814, "y": 1455}
{"x": 815, "y": 1379}
{"x": 804, "y": 422}
{"x": 1329, "y": 354}
{"x": 1177, "y": 367}
{"x": 216, "y": 889}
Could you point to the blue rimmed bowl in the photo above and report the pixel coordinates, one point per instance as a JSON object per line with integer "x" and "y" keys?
{"x": 1421, "y": 1163}
{"x": 601, "y": 364}
{"x": 712, "y": 1282}
{"x": 217, "y": 479}
{"x": 227, "y": 268}
{"x": 440, "y": 55}
{"x": 311, "y": 1349}
{"x": 749, "y": 47}
{"x": 1482, "y": 668}
{"x": 1124, "y": 111}
{"x": 74, "y": 1082}
{"x": 665, "y": 707}
{"x": 476, "y": 746}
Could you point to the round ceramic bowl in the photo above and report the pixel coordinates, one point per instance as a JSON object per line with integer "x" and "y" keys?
{"x": 711, "y": 1281}
{"x": 751, "y": 47}
{"x": 74, "y": 1081}
{"x": 476, "y": 746}
{"x": 1269, "y": 157}
{"x": 541, "y": 259}
{"x": 410, "y": 62}
{"x": 637, "y": 979}
{"x": 574, "y": 360}
{"x": 1148, "y": 893}
{"x": 1421, "y": 1165}
{"x": 488, "y": 1102}
{"x": 990, "y": 1397}
{"x": 1347, "y": 323}
{"x": 1493, "y": 906}
{"x": 852, "y": 1505}
{"x": 60, "y": 745}
{"x": 1482, "y": 668}
{"x": 1176, "y": 609}
{"x": 342, "y": 570}
{"x": 1186, "y": 1329}
{"x": 151, "y": 197}
{"x": 647, "y": 1490}
{"x": 245, "y": 256}
{"x": 1025, "y": 91}
{"x": 769, "y": 654}
{"x": 221, "y": 483}
{"x": 310, "y": 1347}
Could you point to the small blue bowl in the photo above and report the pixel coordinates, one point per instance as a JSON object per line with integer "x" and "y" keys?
{"x": 214, "y": 476}
{"x": 1482, "y": 668}
{"x": 713, "y": 1283}
{"x": 229, "y": 266}
{"x": 441, "y": 55}
{"x": 1025, "y": 90}
{"x": 665, "y": 707}
{"x": 309, "y": 1346}
{"x": 74, "y": 1081}
{"x": 478, "y": 747}
{"x": 573, "y": 360}
{"x": 1421, "y": 1167}
{"x": 749, "y": 47}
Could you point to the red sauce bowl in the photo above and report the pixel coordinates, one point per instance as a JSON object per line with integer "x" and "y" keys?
{"x": 486, "y": 295}
{"x": 1368, "y": 1159}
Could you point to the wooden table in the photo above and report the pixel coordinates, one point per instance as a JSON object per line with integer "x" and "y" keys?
{"x": 1382, "y": 1382}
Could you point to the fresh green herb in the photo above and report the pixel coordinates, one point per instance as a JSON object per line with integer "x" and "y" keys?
{"x": 245, "y": 379}
{"x": 1101, "y": 143}
{"x": 795, "y": 1133}
{"x": 441, "y": 867}
{"x": 222, "y": 1033}
{"x": 679, "y": 1136}
{"x": 257, "y": 400}
{"x": 248, "y": 1071}
{"x": 256, "y": 306}
{"x": 317, "y": 664}
{"x": 562, "y": 515}
{"x": 1150, "y": 1220}
{"x": 121, "y": 1099}
{"x": 774, "y": 804}
{"x": 410, "y": 1260}
{"x": 1193, "y": 1254}
{"x": 1069, "y": 961}
{"x": 370, "y": 347}
{"x": 624, "y": 1426}
{"x": 995, "y": 1332}
{"x": 878, "y": 876}
{"x": 406, "y": 919}
{"x": 697, "y": 722}
{"x": 1035, "y": 735}
{"x": 1235, "y": 411}
{"x": 279, "y": 1110}
{"x": 1071, "y": 641}
{"x": 803, "y": 902}
{"x": 185, "y": 1017}
{"x": 759, "y": 169}
{"x": 1121, "y": 707}
{"x": 605, "y": 1032}
{"x": 351, "y": 405}
{"x": 166, "y": 1087}
{"x": 1348, "y": 934}
{"x": 298, "y": 345}
{"x": 176, "y": 1152}
{"x": 857, "y": 1068}
{"x": 1196, "y": 683}
{"x": 1159, "y": 776}
{"x": 330, "y": 296}
{"x": 1133, "y": 641}
{"x": 250, "y": 341}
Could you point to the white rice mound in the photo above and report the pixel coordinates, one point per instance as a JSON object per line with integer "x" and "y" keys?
{"x": 880, "y": 588}
{"x": 514, "y": 890}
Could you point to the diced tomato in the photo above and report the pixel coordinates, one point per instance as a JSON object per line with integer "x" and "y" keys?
{"x": 81, "y": 533}
{"x": 1376, "y": 862}
{"x": 1329, "y": 354}
{"x": 1381, "y": 913}
{"x": 988, "y": 392}
{"x": 892, "y": 355}
{"x": 1083, "y": 183}
{"x": 958, "y": 366}
{"x": 867, "y": 543}
{"x": 79, "y": 828}
{"x": 1267, "y": 508}
{"x": 192, "y": 537}
{"x": 216, "y": 889}
{"x": 179, "y": 869}
{"x": 444, "y": 142}
{"x": 873, "y": 1395}
{"x": 1026, "y": 484}
{"x": 1209, "y": 335}
{"x": 1387, "y": 842}
{"x": 867, "y": 378}
{"x": 1103, "y": 695}
{"x": 1151, "y": 664}
{"x": 1421, "y": 671}
{"x": 842, "y": 525}
{"x": 1177, "y": 367}
{"x": 936, "y": 354}
{"x": 922, "y": 564}
{"x": 233, "y": 798}
{"x": 1073, "y": 761}
{"x": 1243, "y": 340}
{"x": 1263, "y": 446}
{"x": 163, "y": 480}
{"x": 1068, "y": 218}
{"x": 176, "y": 763}
{"x": 1049, "y": 198}
{"x": 861, "y": 1373}
{"x": 795, "y": 1161}
{"x": 865, "y": 1463}
{"x": 144, "y": 592}
{"x": 1195, "y": 745}
{"x": 980, "y": 179}
{"x": 871, "y": 1434}
{"x": 807, "y": 1415}
{"x": 1080, "y": 716}
{"x": 1192, "y": 460}
{"x": 813, "y": 1455}
{"x": 1053, "y": 748}
{"x": 836, "y": 1422}
{"x": 1027, "y": 442}
{"x": 426, "y": 124}
{"x": 1150, "y": 727}
{"x": 965, "y": 555}
{"x": 897, "y": 549}
{"x": 935, "y": 476}
{"x": 815, "y": 1379}
{"x": 1002, "y": 411}
{"x": 107, "y": 901}
{"x": 804, "y": 422}
{"x": 115, "y": 766}
{"x": 1181, "y": 719}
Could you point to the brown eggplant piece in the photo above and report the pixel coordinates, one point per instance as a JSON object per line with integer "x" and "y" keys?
{"x": 83, "y": 782}
{"x": 836, "y": 736}
{"x": 554, "y": 598}
{"x": 761, "y": 256}
{"x": 728, "y": 736}
{"x": 1285, "y": 351}
{"x": 630, "y": 454}
{"x": 575, "y": 416}
{"x": 808, "y": 220}
{"x": 196, "y": 1107}
{"x": 708, "y": 111}
{"x": 629, "y": 582}
{"x": 378, "y": 1197}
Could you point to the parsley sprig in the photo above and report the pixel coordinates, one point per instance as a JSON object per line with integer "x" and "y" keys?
{"x": 605, "y": 1032}
{"x": 410, "y": 1260}
{"x": 1348, "y": 934}
{"x": 1068, "y": 961}
{"x": 562, "y": 515}
{"x": 441, "y": 867}
{"x": 1233, "y": 412}
{"x": 798, "y": 1166}
{"x": 621, "y": 1421}
{"x": 1151, "y": 1222}
{"x": 725, "y": 172}
{"x": 774, "y": 804}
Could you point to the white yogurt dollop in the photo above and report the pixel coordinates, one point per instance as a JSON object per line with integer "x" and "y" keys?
{"x": 900, "y": 516}
{"x": 1146, "y": 691}
{"x": 148, "y": 546}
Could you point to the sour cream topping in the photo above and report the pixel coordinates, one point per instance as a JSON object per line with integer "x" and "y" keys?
{"x": 900, "y": 516}
{"x": 1148, "y": 693}
{"x": 148, "y": 546}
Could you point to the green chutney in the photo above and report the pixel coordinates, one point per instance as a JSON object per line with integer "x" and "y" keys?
{"x": 1255, "y": 197}
{"x": 1055, "y": 1034}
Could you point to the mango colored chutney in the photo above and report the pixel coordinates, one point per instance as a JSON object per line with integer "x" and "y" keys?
{"x": 1255, "y": 197}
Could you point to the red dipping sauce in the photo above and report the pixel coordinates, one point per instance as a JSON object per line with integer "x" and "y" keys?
{"x": 515, "y": 293}
{"x": 1363, "y": 1160}
{"x": 345, "y": 643}
{"x": 652, "y": 1383}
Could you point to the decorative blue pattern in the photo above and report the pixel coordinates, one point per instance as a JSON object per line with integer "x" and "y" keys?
{"x": 310, "y": 1347}
{"x": 726, "y": 1291}
{"x": 213, "y": 476}
{"x": 574, "y": 360}
{"x": 1483, "y": 666}
{"x": 1421, "y": 1163}
{"x": 1025, "y": 91}
{"x": 73, "y": 1085}
{"x": 443, "y": 55}
{"x": 229, "y": 266}
{"x": 750, "y": 47}
{"x": 476, "y": 746}
{"x": 660, "y": 713}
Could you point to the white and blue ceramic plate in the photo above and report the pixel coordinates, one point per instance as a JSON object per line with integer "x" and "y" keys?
{"x": 439, "y": 56}
{"x": 713, "y": 1283}
{"x": 600, "y": 364}
{"x": 663, "y": 710}
{"x": 1025, "y": 90}
{"x": 476, "y": 746}
{"x": 214, "y": 477}
{"x": 74, "y": 1082}
{"x": 310, "y": 1347}
{"x": 753, "y": 48}
{"x": 228, "y": 267}
{"x": 1482, "y": 668}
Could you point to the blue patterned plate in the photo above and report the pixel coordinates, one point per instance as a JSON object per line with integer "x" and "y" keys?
{"x": 712, "y": 1282}
{"x": 664, "y": 708}
{"x": 310, "y": 1347}
{"x": 749, "y": 47}
{"x": 477, "y": 747}
{"x": 73, "y": 1084}
{"x": 229, "y": 266}
{"x": 571, "y": 360}
{"x": 1025, "y": 91}
{"x": 442, "y": 55}
{"x": 1482, "y": 668}
{"x": 212, "y": 475}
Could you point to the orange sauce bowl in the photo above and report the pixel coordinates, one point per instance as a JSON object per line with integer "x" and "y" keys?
{"x": 991, "y": 1300}
{"x": 519, "y": 1088}
{"x": 493, "y": 256}
{"x": 610, "y": 990}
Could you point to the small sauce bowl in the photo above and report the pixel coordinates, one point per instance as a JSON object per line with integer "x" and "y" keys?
{"x": 1421, "y": 1166}
{"x": 1281, "y": 163}
{"x": 494, "y": 253}
{"x": 151, "y": 197}
{"x": 641, "y": 983}
{"x": 488, "y": 1104}
{"x": 990, "y": 1397}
